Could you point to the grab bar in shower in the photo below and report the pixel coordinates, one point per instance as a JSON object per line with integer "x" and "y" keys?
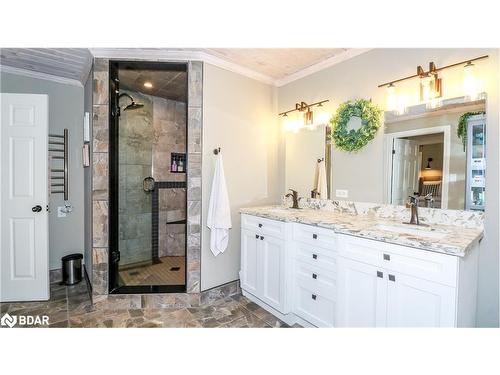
{"x": 60, "y": 154}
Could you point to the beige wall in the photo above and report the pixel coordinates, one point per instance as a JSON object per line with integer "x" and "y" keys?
{"x": 239, "y": 117}
{"x": 361, "y": 173}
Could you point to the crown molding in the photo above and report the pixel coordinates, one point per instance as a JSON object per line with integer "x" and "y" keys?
{"x": 337, "y": 59}
{"x": 178, "y": 55}
{"x": 185, "y": 55}
{"x": 39, "y": 75}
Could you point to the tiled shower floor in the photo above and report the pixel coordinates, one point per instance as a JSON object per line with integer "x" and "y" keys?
{"x": 156, "y": 274}
{"x": 70, "y": 307}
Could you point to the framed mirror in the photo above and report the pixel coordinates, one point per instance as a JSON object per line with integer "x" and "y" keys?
{"x": 437, "y": 153}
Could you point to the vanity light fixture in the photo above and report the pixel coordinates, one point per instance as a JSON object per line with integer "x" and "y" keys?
{"x": 392, "y": 99}
{"x": 470, "y": 84}
{"x": 428, "y": 163}
{"x": 307, "y": 117}
{"x": 431, "y": 84}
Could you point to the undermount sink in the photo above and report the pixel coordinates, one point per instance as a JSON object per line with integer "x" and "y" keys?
{"x": 413, "y": 230}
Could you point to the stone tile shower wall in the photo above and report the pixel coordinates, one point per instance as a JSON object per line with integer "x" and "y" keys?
{"x": 100, "y": 177}
{"x": 169, "y": 125}
{"x": 135, "y": 164}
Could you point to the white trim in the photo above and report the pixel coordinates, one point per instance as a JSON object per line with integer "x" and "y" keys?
{"x": 200, "y": 55}
{"x": 337, "y": 59}
{"x": 39, "y": 75}
{"x": 388, "y": 141}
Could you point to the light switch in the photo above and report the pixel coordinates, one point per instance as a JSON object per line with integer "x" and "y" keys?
{"x": 341, "y": 193}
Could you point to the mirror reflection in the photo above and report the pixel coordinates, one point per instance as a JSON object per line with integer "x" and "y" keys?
{"x": 435, "y": 154}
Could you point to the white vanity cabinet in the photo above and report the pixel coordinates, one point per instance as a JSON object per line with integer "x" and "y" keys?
{"x": 263, "y": 260}
{"x": 314, "y": 276}
{"x": 386, "y": 285}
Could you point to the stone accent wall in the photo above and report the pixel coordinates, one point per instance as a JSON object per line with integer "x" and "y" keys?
{"x": 100, "y": 143}
{"x": 100, "y": 180}
{"x": 195, "y": 98}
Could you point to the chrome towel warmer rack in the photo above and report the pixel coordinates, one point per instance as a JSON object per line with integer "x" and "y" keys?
{"x": 58, "y": 150}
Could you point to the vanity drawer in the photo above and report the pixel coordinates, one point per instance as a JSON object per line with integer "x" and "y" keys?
{"x": 319, "y": 280}
{"x": 315, "y": 308}
{"x": 263, "y": 226}
{"x": 316, "y": 256}
{"x": 316, "y": 236}
{"x": 423, "y": 264}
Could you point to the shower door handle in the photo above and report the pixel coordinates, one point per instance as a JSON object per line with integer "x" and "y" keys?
{"x": 115, "y": 256}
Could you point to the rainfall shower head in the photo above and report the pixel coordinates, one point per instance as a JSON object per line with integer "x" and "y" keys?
{"x": 132, "y": 105}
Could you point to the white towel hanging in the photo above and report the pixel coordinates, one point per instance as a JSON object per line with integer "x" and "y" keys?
{"x": 219, "y": 210}
{"x": 322, "y": 187}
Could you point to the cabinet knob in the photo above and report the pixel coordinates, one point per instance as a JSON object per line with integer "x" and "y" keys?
{"x": 315, "y": 256}
{"x": 260, "y": 225}
{"x": 257, "y": 236}
{"x": 315, "y": 236}
{"x": 387, "y": 257}
{"x": 261, "y": 237}
{"x": 392, "y": 277}
{"x": 313, "y": 297}
{"x": 315, "y": 276}
{"x": 380, "y": 274}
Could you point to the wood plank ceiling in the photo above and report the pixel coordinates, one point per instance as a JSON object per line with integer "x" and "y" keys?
{"x": 74, "y": 63}
{"x": 71, "y": 63}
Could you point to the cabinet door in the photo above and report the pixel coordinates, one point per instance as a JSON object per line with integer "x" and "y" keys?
{"x": 362, "y": 294}
{"x": 249, "y": 262}
{"x": 272, "y": 271}
{"x": 413, "y": 302}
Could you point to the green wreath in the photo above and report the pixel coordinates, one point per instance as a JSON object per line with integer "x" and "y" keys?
{"x": 354, "y": 140}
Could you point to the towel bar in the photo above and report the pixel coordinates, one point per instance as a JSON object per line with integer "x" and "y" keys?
{"x": 64, "y": 169}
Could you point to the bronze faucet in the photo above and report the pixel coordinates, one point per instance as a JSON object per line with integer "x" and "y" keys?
{"x": 295, "y": 197}
{"x": 413, "y": 205}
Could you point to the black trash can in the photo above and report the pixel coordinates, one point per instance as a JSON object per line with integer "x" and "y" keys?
{"x": 72, "y": 269}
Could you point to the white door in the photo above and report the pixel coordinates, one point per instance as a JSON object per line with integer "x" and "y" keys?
{"x": 413, "y": 302}
{"x": 271, "y": 271}
{"x": 362, "y": 294}
{"x": 24, "y": 197}
{"x": 249, "y": 261}
{"x": 405, "y": 162}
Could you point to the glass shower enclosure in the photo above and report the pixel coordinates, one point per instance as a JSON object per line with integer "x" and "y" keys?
{"x": 147, "y": 174}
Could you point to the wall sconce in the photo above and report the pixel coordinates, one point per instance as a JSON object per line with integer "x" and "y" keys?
{"x": 307, "y": 120}
{"x": 431, "y": 86}
{"x": 470, "y": 84}
{"x": 428, "y": 163}
{"x": 430, "y": 83}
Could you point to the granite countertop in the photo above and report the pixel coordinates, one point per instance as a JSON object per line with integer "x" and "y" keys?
{"x": 447, "y": 239}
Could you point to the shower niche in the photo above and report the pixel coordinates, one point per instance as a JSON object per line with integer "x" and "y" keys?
{"x": 147, "y": 200}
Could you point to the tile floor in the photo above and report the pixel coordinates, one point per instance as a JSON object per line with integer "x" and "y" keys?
{"x": 156, "y": 274}
{"x": 70, "y": 307}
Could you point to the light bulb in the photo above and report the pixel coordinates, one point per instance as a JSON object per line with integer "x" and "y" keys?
{"x": 425, "y": 87}
{"x": 392, "y": 99}
{"x": 470, "y": 82}
{"x": 321, "y": 116}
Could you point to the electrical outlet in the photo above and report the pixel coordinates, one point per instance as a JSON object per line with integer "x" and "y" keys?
{"x": 339, "y": 193}
{"x": 61, "y": 211}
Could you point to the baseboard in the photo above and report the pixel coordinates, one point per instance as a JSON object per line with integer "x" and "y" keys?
{"x": 289, "y": 318}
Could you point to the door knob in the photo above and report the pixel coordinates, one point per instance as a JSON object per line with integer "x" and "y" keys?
{"x": 36, "y": 208}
